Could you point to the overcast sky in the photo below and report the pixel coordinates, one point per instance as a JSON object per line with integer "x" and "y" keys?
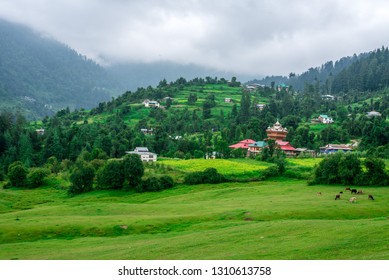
{"x": 255, "y": 37}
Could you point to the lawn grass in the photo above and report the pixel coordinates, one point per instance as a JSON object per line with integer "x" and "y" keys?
{"x": 275, "y": 219}
{"x": 231, "y": 168}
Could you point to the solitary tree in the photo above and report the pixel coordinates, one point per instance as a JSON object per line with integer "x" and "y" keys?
{"x": 133, "y": 169}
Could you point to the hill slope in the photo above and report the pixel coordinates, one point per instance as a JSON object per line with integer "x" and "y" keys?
{"x": 39, "y": 75}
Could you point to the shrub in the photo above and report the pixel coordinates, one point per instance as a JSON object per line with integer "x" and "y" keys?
{"x": 166, "y": 182}
{"x": 154, "y": 184}
{"x": 376, "y": 174}
{"x": 209, "y": 175}
{"x": 81, "y": 179}
{"x": 17, "y": 174}
{"x": 111, "y": 175}
{"x": 36, "y": 176}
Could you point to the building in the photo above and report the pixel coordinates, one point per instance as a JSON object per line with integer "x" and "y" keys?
{"x": 40, "y": 131}
{"x": 260, "y": 106}
{"x": 286, "y": 147}
{"x": 147, "y": 131}
{"x": 244, "y": 144}
{"x": 276, "y": 132}
{"x": 333, "y": 148}
{"x": 328, "y": 97}
{"x": 144, "y": 154}
{"x": 227, "y": 100}
{"x": 256, "y": 148}
{"x": 306, "y": 152}
{"x": 325, "y": 119}
{"x": 151, "y": 103}
{"x": 373, "y": 114}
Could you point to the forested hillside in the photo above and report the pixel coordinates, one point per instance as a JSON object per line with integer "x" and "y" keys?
{"x": 39, "y": 76}
{"x": 321, "y": 76}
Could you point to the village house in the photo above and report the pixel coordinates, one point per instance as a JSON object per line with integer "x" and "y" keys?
{"x": 256, "y": 148}
{"x": 144, "y": 153}
{"x": 260, "y": 106}
{"x": 147, "y": 131}
{"x": 244, "y": 144}
{"x": 333, "y": 148}
{"x": 328, "y": 97}
{"x": 228, "y": 100}
{"x": 40, "y": 131}
{"x": 373, "y": 114}
{"x": 325, "y": 119}
{"x": 151, "y": 104}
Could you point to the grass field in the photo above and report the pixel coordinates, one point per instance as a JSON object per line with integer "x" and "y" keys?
{"x": 276, "y": 219}
{"x": 231, "y": 168}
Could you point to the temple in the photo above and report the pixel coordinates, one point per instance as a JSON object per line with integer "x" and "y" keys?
{"x": 276, "y": 132}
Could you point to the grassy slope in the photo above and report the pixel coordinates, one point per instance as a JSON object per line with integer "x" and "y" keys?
{"x": 278, "y": 219}
{"x": 138, "y": 111}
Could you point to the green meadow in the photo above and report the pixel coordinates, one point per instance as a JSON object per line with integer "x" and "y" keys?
{"x": 280, "y": 218}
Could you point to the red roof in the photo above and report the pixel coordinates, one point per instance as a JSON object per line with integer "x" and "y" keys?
{"x": 244, "y": 144}
{"x": 285, "y": 146}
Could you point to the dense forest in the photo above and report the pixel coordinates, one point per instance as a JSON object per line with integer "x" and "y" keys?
{"x": 39, "y": 75}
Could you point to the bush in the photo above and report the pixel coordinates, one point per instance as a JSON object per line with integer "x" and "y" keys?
{"x": 208, "y": 176}
{"x": 17, "y": 174}
{"x": 36, "y": 176}
{"x": 376, "y": 174}
{"x": 81, "y": 179}
{"x": 111, "y": 175}
{"x": 154, "y": 184}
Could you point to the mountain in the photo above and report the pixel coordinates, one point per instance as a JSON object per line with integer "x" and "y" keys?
{"x": 131, "y": 76}
{"x": 321, "y": 76}
{"x": 39, "y": 75}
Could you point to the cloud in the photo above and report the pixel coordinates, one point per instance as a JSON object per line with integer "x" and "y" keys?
{"x": 246, "y": 36}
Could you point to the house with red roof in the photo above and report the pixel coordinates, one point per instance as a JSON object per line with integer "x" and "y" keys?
{"x": 244, "y": 144}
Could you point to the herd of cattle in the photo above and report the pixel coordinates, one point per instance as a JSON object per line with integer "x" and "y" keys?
{"x": 352, "y": 191}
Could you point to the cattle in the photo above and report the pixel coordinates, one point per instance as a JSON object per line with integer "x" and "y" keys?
{"x": 353, "y": 199}
{"x": 348, "y": 189}
{"x": 337, "y": 196}
{"x": 340, "y": 192}
{"x": 360, "y": 192}
{"x": 318, "y": 193}
{"x": 354, "y": 191}
{"x": 370, "y": 197}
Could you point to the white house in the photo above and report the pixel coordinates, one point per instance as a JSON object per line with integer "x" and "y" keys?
{"x": 144, "y": 154}
{"x": 260, "y": 106}
{"x": 373, "y": 114}
{"x": 325, "y": 119}
{"x": 227, "y": 100}
{"x": 151, "y": 103}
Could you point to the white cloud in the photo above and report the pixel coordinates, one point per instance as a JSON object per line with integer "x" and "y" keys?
{"x": 245, "y": 36}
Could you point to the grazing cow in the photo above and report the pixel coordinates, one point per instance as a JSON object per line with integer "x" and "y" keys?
{"x": 348, "y": 189}
{"x": 340, "y": 192}
{"x": 318, "y": 193}
{"x": 337, "y": 196}
{"x": 360, "y": 192}
{"x": 353, "y": 199}
{"x": 353, "y": 191}
{"x": 370, "y": 197}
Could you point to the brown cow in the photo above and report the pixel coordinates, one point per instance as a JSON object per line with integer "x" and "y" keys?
{"x": 348, "y": 189}
{"x": 353, "y": 199}
{"x": 337, "y": 196}
{"x": 370, "y": 197}
{"x": 360, "y": 192}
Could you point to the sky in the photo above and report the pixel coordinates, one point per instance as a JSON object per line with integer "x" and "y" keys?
{"x": 253, "y": 37}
